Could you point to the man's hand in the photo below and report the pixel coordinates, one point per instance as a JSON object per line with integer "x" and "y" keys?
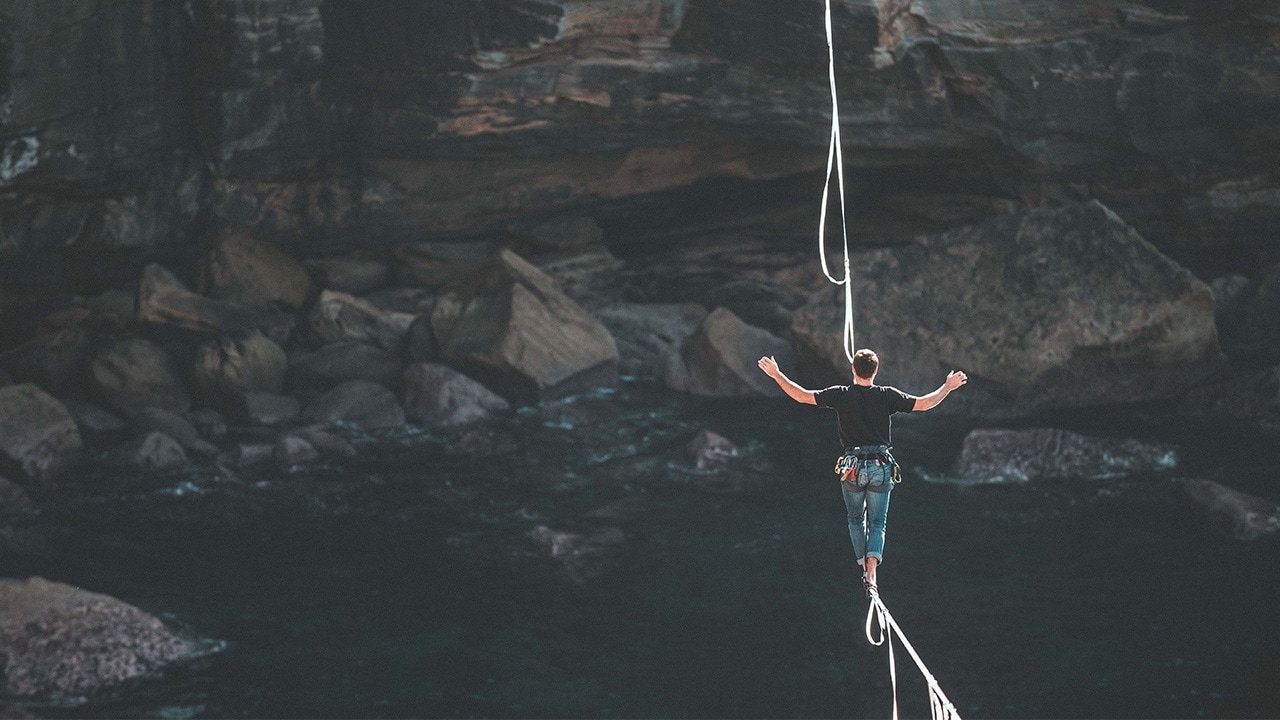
{"x": 955, "y": 379}
{"x": 769, "y": 366}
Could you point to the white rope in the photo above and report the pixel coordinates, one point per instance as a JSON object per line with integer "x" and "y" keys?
{"x": 940, "y": 708}
{"x": 835, "y": 158}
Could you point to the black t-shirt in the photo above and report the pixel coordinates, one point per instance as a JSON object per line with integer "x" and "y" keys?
{"x": 865, "y": 411}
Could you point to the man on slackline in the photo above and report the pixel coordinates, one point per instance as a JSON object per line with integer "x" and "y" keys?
{"x": 868, "y": 470}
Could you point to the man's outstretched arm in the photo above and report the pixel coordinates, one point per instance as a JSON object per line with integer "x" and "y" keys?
{"x": 797, "y": 393}
{"x": 954, "y": 380}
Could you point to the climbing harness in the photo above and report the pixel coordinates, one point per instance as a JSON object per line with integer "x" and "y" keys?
{"x": 847, "y": 464}
{"x": 940, "y": 708}
{"x": 835, "y": 159}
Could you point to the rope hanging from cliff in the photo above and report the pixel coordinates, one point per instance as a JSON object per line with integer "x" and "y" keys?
{"x": 835, "y": 159}
{"x": 940, "y": 708}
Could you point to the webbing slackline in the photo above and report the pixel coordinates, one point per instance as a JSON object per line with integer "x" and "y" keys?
{"x": 940, "y": 708}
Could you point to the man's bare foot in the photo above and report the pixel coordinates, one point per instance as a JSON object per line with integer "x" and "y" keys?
{"x": 871, "y": 571}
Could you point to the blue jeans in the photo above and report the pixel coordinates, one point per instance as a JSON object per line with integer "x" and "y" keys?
{"x": 868, "y": 508}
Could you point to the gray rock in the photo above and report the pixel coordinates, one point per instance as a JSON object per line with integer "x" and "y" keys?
{"x": 38, "y": 437}
{"x": 329, "y": 444}
{"x": 441, "y": 395}
{"x": 210, "y": 423}
{"x": 1249, "y": 517}
{"x": 56, "y": 639}
{"x": 435, "y": 264}
{"x": 339, "y": 317}
{"x": 175, "y": 426}
{"x": 709, "y": 450}
{"x": 720, "y": 358}
{"x": 337, "y": 363}
{"x": 991, "y": 455}
{"x": 117, "y": 307}
{"x": 1044, "y": 308}
{"x": 513, "y": 330}
{"x": 350, "y": 275}
{"x": 245, "y": 271}
{"x": 153, "y": 451}
{"x": 93, "y": 421}
{"x": 269, "y": 409}
{"x": 247, "y": 455}
{"x": 1249, "y": 320}
{"x": 226, "y": 369}
{"x": 564, "y": 233}
{"x": 291, "y": 450}
{"x": 583, "y": 556}
{"x": 422, "y": 340}
{"x": 360, "y": 402}
{"x": 134, "y": 373}
{"x": 164, "y": 300}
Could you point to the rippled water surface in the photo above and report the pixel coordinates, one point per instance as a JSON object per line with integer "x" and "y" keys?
{"x": 406, "y": 583}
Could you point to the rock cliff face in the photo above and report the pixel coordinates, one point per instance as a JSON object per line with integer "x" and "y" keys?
{"x": 131, "y": 131}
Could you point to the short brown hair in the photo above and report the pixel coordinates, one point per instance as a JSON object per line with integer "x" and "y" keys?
{"x": 865, "y": 364}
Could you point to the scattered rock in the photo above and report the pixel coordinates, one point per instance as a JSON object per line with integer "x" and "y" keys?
{"x": 589, "y": 277}
{"x": 117, "y": 307}
{"x": 164, "y": 300}
{"x": 38, "y": 437}
{"x": 422, "y": 340}
{"x": 13, "y": 499}
{"x": 291, "y": 450}
{"x": 336, "y": 363}
{"x": 441, "y": 395}
{"x": 177, "y": 427}
{"x": 363, "y": 403}
{"x": 226, "y": 369}
{"x": 329, "y": 444}
{"x": 720, "y": 358}
{"x": 56, "y": 639}
{"x": 711, "y": 450}
{"x": 153, "y": 451}
{"x": 245, "y": 271}
{"x": 248, "y": 455}
{"x": 269, "y": 409}
{"x": 339, "y": 317}
{"x": 992, "y": 455}
{"x": 583, "y": 556}
{"x": 513, "y": 330}
{"x": 1249, "y": 517}
{"x": 1059, "y": 307}
{"x": 94, "y": 422}
{"x": 350, "y": 275}
{"x": 1249, "y": 318}
{"x": 133, "y": 374}
{"x": 210, "y": 423}
{"x": 647, "y": 335}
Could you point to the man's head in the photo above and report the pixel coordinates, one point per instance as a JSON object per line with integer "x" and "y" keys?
{"x": 865, "y": 364}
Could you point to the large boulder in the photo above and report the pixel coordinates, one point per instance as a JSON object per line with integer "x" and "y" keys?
{"x": 441, "y": 395}
{"x": 134, "y": 373}
{"x": 720, "y": 358}
{"x": 994, "y": 455}
{"x": 164, "y": 300}
{"x": 339, "y": 317}
{"x": 225, "y": 368}
{"x": 1045, "y": 308}
{"x": 244, "y": 271}
{"x": 342, "y": 361}
{"x": 37, "y": 434}
{"x": 52, "y": 361}
{"x": 358, "y": 402}
{"x": 648, "y": 333}
{"x": 1249, "y": 517}
{"x": 511, "y": 328}
{"x": 56, "y": 639}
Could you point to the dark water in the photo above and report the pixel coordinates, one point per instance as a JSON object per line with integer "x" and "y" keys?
{"x": 406, "y": 583}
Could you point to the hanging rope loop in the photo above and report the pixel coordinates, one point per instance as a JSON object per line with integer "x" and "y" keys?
{"x": 835, "y": 161}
